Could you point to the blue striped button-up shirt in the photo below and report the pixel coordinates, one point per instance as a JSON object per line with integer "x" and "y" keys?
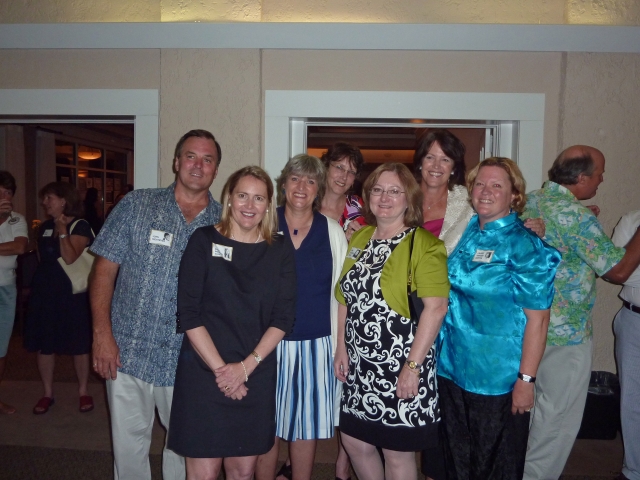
{"x": 143, "y": 310}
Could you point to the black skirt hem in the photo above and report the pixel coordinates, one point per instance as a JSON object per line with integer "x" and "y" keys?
{"x": 399, "y": 439}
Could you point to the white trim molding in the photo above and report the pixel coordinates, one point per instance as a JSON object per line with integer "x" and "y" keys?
{"x": 142, "y": 106}
{"x": 325, "y": 36}
{"x": 287, "y": 110}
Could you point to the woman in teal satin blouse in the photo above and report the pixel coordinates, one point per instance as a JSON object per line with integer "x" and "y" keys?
{"x": 494, "y": 334}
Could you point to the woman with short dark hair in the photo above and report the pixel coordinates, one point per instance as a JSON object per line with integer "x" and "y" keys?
{"x": 59, "y": 321}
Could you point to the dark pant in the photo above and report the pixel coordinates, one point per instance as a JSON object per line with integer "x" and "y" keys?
{"x": 483, "y": 440}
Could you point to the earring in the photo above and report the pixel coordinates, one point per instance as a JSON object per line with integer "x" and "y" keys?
{"x": 229, "y": 205}
{"x": 267, "y": 210}
{"x": 452, "y": 173}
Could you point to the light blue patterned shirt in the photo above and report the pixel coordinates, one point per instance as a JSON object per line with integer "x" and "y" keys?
{"x": 495, "y": 273}
{"x": 143, "y": 310}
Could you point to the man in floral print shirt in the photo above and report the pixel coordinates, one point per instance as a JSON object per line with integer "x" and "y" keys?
{"x": 563, "y": 376}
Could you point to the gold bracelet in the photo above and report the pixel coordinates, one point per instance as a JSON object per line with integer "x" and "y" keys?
{"x": 256, "y": 356}
{"x": 246, "y": 377}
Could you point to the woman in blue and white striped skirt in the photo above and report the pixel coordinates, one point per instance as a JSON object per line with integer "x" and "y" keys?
{"x": 306, "y": 405}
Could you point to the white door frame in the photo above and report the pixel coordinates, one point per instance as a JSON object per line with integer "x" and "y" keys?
{"x": 142, "y": 105}
{"x": 284, "y": 132}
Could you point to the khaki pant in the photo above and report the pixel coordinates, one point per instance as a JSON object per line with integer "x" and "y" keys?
{"x": 132, "y": 405}
{"x": 562, "y": 383}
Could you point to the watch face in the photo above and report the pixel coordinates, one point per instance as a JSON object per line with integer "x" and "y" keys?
{"x": 412, "y": 365}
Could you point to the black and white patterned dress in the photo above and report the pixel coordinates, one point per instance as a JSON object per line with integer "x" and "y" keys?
{"x": 378, "y": 342}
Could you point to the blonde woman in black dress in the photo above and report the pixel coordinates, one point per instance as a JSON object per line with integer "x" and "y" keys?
{"x": 236, "y": 301}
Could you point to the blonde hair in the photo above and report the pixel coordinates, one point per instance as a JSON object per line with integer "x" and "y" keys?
{"x": 267, "y": 225}
{"x": 413, "y": 213}
{"x": 303, "y": 165}
{"x": 518, "y": 183}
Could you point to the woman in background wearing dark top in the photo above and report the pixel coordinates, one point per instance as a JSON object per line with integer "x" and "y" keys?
{"x": 91, "y": 214}
{"x": 236, "y": 300}
{"x": 307, "y": 389}
{"x": 59, "y": 322}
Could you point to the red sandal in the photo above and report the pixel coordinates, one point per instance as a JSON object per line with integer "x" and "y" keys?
{"x": 43, "y": 405}
{"x": 86, "y": 403}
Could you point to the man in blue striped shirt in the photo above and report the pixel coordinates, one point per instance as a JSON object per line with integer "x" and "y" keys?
{"x": 133, "y": 300}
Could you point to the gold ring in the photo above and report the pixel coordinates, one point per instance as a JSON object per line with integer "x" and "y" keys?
{"x": 411, "y": 395}
{"x": 528, "y": 410}
{"x": 226, "y": 388}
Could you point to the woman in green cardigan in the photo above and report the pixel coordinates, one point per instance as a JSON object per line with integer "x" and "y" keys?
{"x": 386, "y": 361}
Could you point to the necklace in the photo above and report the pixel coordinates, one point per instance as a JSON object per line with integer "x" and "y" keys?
{"x": 257, "y": 239}
{"x": 439, "y": 200}
{"x": 397, "y": 232}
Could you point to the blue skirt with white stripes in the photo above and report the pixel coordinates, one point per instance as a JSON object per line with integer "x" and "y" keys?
{"x": 306, "y": 405}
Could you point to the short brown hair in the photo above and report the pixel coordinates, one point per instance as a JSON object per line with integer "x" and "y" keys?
{"x": 303, "y": 165}
{"x": 268, "y": 224}
{"x": 340, "y": 150}
{"x": 66, "y": 191}
{"x": 518, "y": 183}
{"x": 413, "y": 213}
{"x": 7, "y": 181}
{"x": 200, "y": 134}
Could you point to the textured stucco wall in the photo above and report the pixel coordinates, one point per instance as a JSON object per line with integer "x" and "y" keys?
{"x": 501, "y": 72}
{"x": 218, "y": 90}
{"x": 219, "y": 11}
{"x": 414, "y": 11}
{"x": 80, "y": 68}
{"x": 58, "y": 11}
{"x": 604, "y": 12}
{"x": 601, "y": 107}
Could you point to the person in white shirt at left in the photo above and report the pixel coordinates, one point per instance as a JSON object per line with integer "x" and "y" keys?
{"x": 14, "y": 237}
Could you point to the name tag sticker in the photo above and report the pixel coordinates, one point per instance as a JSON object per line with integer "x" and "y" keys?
{"x": 48, "y": 232}
{"x": 354, "y": 253}
{"x": 483, "y": 256}
{"x": 222, "y": 251}
{"x": 158, "y": 237}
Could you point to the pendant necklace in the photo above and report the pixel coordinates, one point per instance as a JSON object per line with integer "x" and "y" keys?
{"x": 439, "y": 200}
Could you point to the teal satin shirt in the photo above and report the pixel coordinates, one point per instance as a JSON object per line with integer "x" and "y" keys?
{"x": 495, "y": 273}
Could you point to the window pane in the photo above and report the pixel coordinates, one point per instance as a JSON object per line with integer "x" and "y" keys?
{"x": 116, "y": 161}
{"x": 64, "y": 152}
{"x": 67, "y": 175}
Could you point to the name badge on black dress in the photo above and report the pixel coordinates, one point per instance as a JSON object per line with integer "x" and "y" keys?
{"x": 222, "y": 251}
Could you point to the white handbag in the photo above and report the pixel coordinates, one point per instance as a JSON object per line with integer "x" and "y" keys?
{"x": 78, "y": 271}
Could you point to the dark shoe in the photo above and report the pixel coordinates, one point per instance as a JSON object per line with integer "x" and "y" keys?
{"x": 43, "y": 405}
{"x": 86, "y": 403}
{"x": 285, "y": 471}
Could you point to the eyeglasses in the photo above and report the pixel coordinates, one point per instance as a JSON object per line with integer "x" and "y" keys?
{"x": 392, "y": 192}
{"x": 341, "y": 169}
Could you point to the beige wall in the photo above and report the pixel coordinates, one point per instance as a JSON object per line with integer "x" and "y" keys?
{"x": 218, "y": 90}
{"x": 609, "y": 12}
{"x": 80, "y": 68}
{"x": 590, "y": 98}
{"x": 601, "y": 107}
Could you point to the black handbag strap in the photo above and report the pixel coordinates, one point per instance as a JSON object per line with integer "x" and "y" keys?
{"x": 415, "y": 316}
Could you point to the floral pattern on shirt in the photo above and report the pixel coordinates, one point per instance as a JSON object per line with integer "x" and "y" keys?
{"x": 143, "y": 309}
{"x": 586, "y": 252}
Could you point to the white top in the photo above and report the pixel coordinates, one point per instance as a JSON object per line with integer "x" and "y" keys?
{"x": 12, "y": 227}
{"x": 624, "y": 231}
